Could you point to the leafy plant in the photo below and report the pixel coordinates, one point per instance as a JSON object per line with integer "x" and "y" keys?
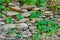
{"x": 57, "y": 7}
{"x": 19, "y": 16}
{"x": 1, "y": 7}
{"x": 53, "y": 0}
{"x": 8, "y": 1}
{"x": 32, "y": 15}
{"x": 1, "y": 2}
{"x": 35, "y": 14}
{"x": 42, "y": 1}
{"x": 39, "y": 12}
{"x": 36, "y": 36}
{"x": 0, "y": 14}
{"x": 27, "y": 38}
{"x": 58, "y": 12}
{"x": 18, "y": 34}
{"x": 39, "y": 3}
{"x": 7, "y": 9}
{"x": 43, "y": 26}
{"x": 10, "y": 31}
{"x": 31, "y": 2}
{"x": 9, "y": 20}
{"x": 23, "y": 1}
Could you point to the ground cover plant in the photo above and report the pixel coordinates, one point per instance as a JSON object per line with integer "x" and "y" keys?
{"x": 29, "y": 19}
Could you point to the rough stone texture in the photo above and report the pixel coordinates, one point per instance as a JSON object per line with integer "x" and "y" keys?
{"x": 26, "y": 27}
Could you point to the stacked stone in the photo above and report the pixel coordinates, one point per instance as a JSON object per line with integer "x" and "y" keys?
{"x": 23, "y": 29}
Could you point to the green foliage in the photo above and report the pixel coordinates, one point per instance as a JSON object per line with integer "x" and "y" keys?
{"x": 53, "y": 0}
{"x": 35, "y": 36}
{"x": 39, "y": 3}
{"x": 35, "y": 14}
{"x": 18, "y": 34}
{"x": 32, "y": 15}
{"x": 9, "y": 20}
{"x": 19, "y": 16}
{"x": 46, "y": 26}
{"x": 23, "y": 1}
{"x": 31, "y": 2}
{"x": 57, "y": 7}
{"x": 0, "y": 14}
{"x": 1, "y": 7}
{"x": 1, "y": 2}
{"x": 7, "y": 9}
{"x": 27, "y": 38}
{"x": 8, "y": 1}
{"x": 10, "y": 31}
{"x": 41, "y": 22}
{"x": 58, "y": 12}
{"x": 39, "y": 12}
{"x": 42, "y": 1}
